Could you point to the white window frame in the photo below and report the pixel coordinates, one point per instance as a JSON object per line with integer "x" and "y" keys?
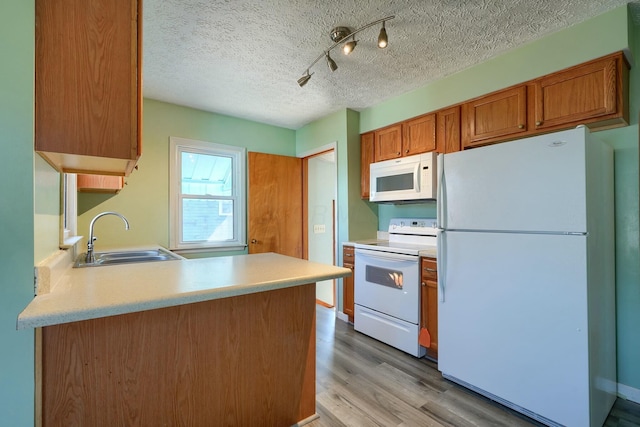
{"x": 69, "y": 215}
{"x": 239, "y": 159}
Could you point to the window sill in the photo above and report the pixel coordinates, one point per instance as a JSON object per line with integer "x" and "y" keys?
{"x": 70, "y": 242}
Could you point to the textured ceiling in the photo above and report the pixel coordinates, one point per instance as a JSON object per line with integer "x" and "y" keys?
{"x": 243, "y": 57}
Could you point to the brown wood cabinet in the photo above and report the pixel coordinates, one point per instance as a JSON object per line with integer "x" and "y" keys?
{"x": 592, "y": 93}
{"x": 190, "y": 364}
{"x": 388, "y": 143}
{"x": 429, "y": 303}
{"x": 497, "y": 116}
{"x": 419, "y": 135}
{"x": 366, "y": 158}
{"x": 448, "y": 130}
{"x": 100, "y": 183}
{"x": 410, "y": 137}
{"x": 88, "y": 96}
{"x": 348, "y": 261}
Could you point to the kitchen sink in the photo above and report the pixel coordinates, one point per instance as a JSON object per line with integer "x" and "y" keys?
{"x": 126, "y": 257}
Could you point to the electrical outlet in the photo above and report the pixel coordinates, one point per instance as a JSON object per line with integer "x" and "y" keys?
{"x": 318, "y": 228}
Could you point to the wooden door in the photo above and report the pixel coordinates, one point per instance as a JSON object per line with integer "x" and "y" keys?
{"x": 275, "y": 204}
{"x": 429, "y": 305}
{"x": 419, "y": 135}
{"x": 388, "y": 143}
{"x": 366, "y": 158}
{"x": 500, "y": 115}
{"x": 448, "y": 130}
{"x": 582, "y": 94}
{"x": 348, "y": 261}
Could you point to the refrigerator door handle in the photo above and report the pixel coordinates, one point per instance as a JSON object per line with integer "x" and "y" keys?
{"x": 441, "y": 265}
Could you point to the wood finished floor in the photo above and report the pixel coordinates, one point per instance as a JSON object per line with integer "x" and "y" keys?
{"x": 362, "y": 382}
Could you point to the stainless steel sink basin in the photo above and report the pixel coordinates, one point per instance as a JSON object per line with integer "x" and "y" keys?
{"x": 126, "y": 257}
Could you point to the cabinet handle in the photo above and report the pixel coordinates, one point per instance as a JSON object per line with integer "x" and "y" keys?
{"x": 520, "y": 126}
{"x": 430, "y": 270}
{"x": 538, "y": 123}
{"x": 423, "y": 284}
{"x": 398, "y": 153}
{"x": 254, "y": 241}
{"x": 348, "y": 255}
{"x": 406, "y": 151}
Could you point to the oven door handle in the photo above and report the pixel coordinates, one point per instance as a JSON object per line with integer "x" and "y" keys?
{"x": 388, "y": 256}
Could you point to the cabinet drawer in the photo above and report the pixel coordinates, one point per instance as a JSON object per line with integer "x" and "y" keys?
{"x": 429, "y": 269}
{"x": 348, "y": 254}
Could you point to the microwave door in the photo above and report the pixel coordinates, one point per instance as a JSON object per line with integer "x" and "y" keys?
{"x": 393, "y": 181}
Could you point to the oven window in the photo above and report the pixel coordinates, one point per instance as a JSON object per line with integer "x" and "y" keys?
{"x": 384, "y": 276}
{"x": 395, "y": 182}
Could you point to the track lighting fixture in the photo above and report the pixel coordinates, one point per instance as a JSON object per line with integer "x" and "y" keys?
{"x": 331, "y": 63}
{"x": 382, "y": 38}
{"x": 341, "y": 36}
{"x": 304, "y": 79}
{"x": 349, "y": 46}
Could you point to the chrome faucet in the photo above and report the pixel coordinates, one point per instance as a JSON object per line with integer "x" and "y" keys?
{"x": 90, "y": 259}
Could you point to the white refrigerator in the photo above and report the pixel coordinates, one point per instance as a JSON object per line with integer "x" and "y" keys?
{"x": 526, "y": 309}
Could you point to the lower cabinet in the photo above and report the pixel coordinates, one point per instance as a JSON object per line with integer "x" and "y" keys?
{"x": 348, "y": 259}
{"x": 429, "y": 303}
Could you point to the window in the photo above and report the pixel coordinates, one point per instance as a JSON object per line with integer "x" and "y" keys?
{"x": 69, "y": 204}
{"x": 207, "y": 196}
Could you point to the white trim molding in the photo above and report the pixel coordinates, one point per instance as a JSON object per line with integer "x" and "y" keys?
{"x": 629, "y": 393}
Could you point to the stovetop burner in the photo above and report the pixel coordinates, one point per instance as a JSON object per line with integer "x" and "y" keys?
{"x": 406, "y": 236}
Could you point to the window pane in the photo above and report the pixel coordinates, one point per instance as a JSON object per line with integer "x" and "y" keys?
{"x": 204, "y": 174}
{"x": 207, "y": 220}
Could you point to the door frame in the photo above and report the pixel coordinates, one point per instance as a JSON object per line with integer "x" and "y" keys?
{"x": 305, "y": 156}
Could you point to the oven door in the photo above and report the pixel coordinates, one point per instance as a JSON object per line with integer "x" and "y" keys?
{"x": 388, "y": 283}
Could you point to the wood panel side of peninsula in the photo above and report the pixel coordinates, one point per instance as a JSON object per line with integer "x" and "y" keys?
{"x": 243, "y": 360}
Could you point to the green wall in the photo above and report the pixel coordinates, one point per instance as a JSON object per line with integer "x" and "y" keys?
{"x": 357, "y": 219}
{"x": 145, "y": 198}
{"x": 607, "y": 33}
{"x": 16, "y": 210}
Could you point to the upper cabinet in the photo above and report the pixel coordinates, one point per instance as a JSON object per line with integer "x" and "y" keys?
{"x": 410, "y": 137}
{"x": 88, "y": 96}
{"x": 366, "y": 158}
{"x": 419, "y": 135}
{"x": 495, "y": 116}
{"x": 388, "y": 143}
{"x": 100, "y": 183}
{"x": 594, "y": 92}
{"x": 448, "y": 130}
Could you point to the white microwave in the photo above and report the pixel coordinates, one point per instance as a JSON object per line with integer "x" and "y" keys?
{"x": 404, "y": 179}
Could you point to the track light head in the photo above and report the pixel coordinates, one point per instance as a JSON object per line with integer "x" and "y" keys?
{"x": 331, "y": 63}
{"x": 383, "y": 41}
{"x": 349, "y": 46}
{"x": 304, "y": 79}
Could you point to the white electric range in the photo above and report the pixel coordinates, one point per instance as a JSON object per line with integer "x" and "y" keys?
{"x": 387, "y": 283}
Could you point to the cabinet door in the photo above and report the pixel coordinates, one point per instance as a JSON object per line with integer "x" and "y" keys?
{"x": 419, "y": 135}
{"x": 583, "y": 94}
{"x": 347, "y": 282}
{"x": 88, "y": 84}
{"x": 496, "y": 116}
{"x": 448, "y": 130}
{"x": 100, "y": 183}
{"x": 388, "y": 143}
{"x": 366, "y": 158}
{"x": 429, "y": 303}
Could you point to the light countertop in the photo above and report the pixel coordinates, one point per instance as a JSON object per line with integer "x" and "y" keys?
{"x": 88, "y": 293}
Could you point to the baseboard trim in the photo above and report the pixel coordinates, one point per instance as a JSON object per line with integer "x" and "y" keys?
{"x": 341, "y": 316}
{"x": 629, "y": 393}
